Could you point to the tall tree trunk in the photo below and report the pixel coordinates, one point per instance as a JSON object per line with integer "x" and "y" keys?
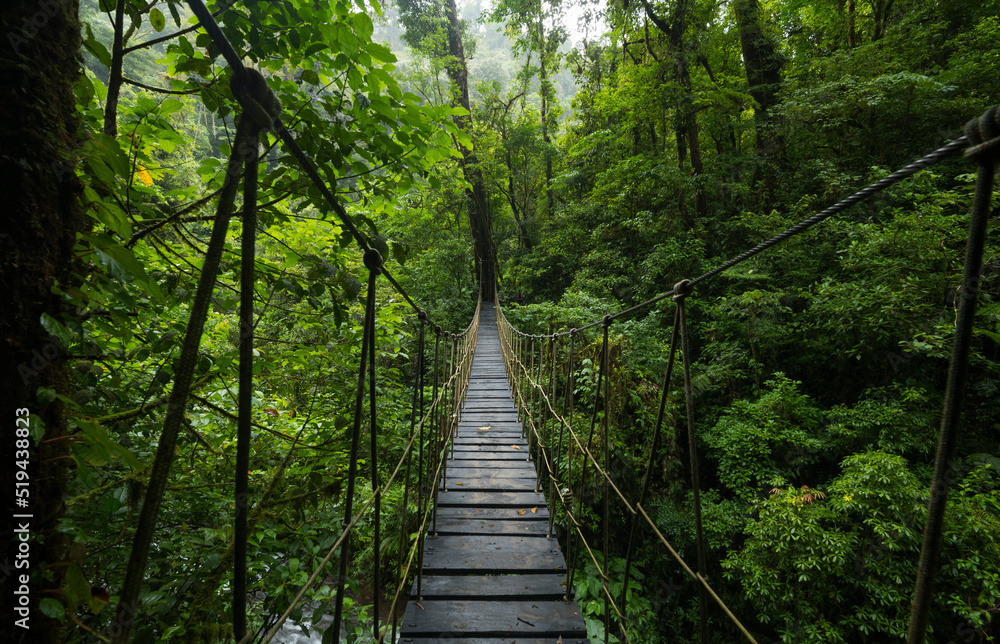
{"x": 39, "y": 64}
{"x": 852, "y": 32}
{"x": 544, "y": 89}
{"x": 115, "y": 72}
{"x": 479, "y": 215}
{"x": 763, "y": 69}
{"x": 686, "y": 125}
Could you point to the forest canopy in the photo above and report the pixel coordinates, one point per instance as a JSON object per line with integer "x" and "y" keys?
{"x": 572, "y": 160}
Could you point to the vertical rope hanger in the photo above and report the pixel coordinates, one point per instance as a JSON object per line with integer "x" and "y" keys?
{"x": 652, "y": 455}
{"x": 373, "y": 261}
{"x": 682, "y": 290}
{"x": 248, "y": 148}
{"x": 421, "y": 491}
{"x": 416, "y": 411}
{"x": 606, "y": 424}
{"x": 984, "y": 135}
{"x": 601, "y": 375}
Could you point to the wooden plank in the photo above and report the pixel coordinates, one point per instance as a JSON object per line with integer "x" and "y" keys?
{"x": 489, "y": 404}
{"x": 455, "y": 483}
{"x": 492, "y": 513}
{"x": 512, "y": 471}
{"x": 520, "y": 500}
{"x": 503, "y": 446}
{"x": 496, "y": 417}
{"x": 464, "y": 618}
{"x": 534, "y": 554}
{"x": 489, "y": 640}
{"x": 483, "y": 439}
{"x": 521, "y": 455}
{"x": 537, "y": 528}
{"x": 465, "y": 427}
{"x": 506, "y": 587}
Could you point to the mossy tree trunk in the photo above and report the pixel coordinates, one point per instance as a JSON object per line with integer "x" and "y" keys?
{"x": 39, "y": 63}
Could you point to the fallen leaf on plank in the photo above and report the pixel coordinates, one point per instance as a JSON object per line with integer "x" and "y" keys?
{"x": 521, "y": 511}
{"x": 514, "y": 447}
{"x": 484, "y": 427}
{"x": 534, "y": 510}
{"x": 457, "y": 483}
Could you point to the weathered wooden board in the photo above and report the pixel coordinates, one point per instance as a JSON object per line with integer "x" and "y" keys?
{"x": 490, "y": 640}
{"x": 501, "y": 447}
{"x": 511, "y": 514}
{"x": 456, "y": 498}
{"x": 505, "y": 587}
{"x": 499, "y": 420}
{"x": 507, "y": 429}
{"x": 533, "y": 555}
{"x": 475, "y": 470}
{"x": 516, "y": 455}
{"x": 487, "y": 437}
{"x": 538, "y": 528}
{"x": 498, "y": 395}
{"x": 464, "y": 618}
{"x": 520, "y": 484}
{"x": 489, "y": 405}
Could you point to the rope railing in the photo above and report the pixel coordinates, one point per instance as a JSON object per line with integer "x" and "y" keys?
{"x": 536, "y": 401}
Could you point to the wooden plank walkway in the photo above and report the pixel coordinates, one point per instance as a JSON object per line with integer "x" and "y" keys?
{"x": 491, "y": 575}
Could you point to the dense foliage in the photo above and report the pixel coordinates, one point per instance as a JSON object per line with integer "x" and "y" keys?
{"x": 695, "y": 128}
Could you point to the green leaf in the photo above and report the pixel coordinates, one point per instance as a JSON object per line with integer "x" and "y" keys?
{"x": 399, "y": 251}
{"x": 175, "y": 14}
{"x": 56, "y": 328}
{"x": 156, "y": 19}
{"x": 363, "y": 25}
{"x": 98, "y": 448}
{"x": 45, "y": 395}
{"x": 119, "y": 261}
{"x": 313, "y": 48}
{"x": 97, "y": 48}
{"x": 310, "y": 76}
{"x": 52, "y": 608}
{"x": 77, "y": 588}
{"x": 380, "y": 53}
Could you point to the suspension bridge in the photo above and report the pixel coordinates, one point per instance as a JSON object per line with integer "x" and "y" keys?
{"x": 492, "y": 568}
{"x": 480, "y": 465}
